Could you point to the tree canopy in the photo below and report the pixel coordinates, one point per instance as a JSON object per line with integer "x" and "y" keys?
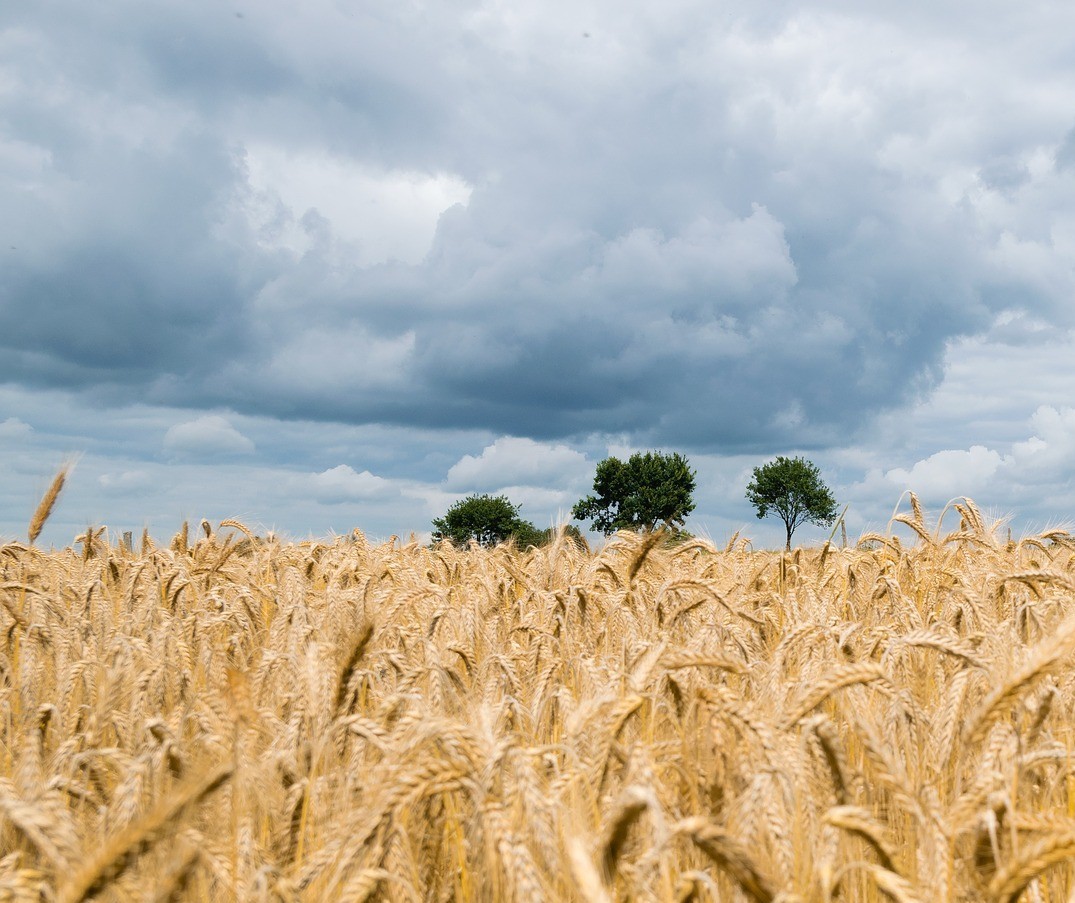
{"x": 488, "y": 520}
{"x": 792, "y": 488}
{"x": 647, "y": 489}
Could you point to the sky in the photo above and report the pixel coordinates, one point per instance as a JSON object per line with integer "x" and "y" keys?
{"x": 335, "y": 265}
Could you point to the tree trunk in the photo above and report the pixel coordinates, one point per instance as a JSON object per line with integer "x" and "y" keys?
{"x": 787, "y": 548}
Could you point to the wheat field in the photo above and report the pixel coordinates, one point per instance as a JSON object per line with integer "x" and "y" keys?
{"x": 229, "y": 717}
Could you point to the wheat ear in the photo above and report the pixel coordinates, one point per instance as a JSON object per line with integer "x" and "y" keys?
{"x": 358, "y": 649}
{"x": 858, "y": 821}
{"x": 1012, "y": 880}
{"x": 175, "y": 882}
{"x": 117, "y": 854}
{"x": 690, "y": 886}
{"x": 238, "y": 525}
{"x": 842, "y": 676}
{"x": 36, "y": 824}
{"x": 1047, "y": 654}
{"x": 630, "y": 811}
{"x": 730, "y": 855}
{"x": 587, "y": 880}
{"x": 642, "y": 553}
{"x": 829, "y": 739}
{"x": 47, "y": 503}
{"x": 892, "y": 885}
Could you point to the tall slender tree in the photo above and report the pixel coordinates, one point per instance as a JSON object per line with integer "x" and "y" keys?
{"x": 792, "y": 489}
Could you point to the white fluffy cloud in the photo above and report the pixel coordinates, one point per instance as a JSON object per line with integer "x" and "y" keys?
{"x": 382, "y": 214}
{"x": 126, "y": 481}
{"x": 343, "y": 484}
{"x": 13, "y": 428}
{"x": 1031, "y": 477}
{"x": 208, "y": 435}
{"x": 949, "y": 473}
{"x": 512, "y": 461}
{"x": 1050, "y": 451}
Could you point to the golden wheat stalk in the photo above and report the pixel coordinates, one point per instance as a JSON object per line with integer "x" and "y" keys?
{"x": 630, "y": 809}
{"x": 642, "y": 552}
{"x": 858, "y": 821}
{"x": 47, "y": 503}
{"x": 510, "y": 743}
{"x": 1011, "y": 880}
{"x": 730, "y": 855}
{"x": 359, "y": 644}
{"x": 37, "y": 824}
{"x": 238, "y": 525}
{"x": 827, "y": 737}
{"x": 1045, "y": 656}
{"x": 587, "y": 878}
{"x": 841, "y": 677}
{"x": 892, "y": 885}
{"x": 117, "y": 853}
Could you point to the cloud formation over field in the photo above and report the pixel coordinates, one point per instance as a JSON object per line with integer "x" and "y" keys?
{"x": 733, "y": 231}
{"x": 718, "y": 230}
{"x": 520, "y": 462}
{"x": 206, "y": 436}
{"x": 1037, "y": 465}
{"x": 341, "y": 484}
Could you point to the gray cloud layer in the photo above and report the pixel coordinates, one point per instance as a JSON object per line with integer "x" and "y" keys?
{"x": 711, "y": 229}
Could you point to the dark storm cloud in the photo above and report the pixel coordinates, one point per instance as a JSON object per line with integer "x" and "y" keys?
{"x": 130, "y": 280}
{"x": 714, "y": 231}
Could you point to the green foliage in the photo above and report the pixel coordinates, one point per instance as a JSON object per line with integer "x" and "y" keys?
{"x": 571, "y": 534}
{"x": 526, "y": 535}
{"x": 487, "y": 519}
{"x": 647, "y": 489}
{"x": 793, "y": 489}
{"x": 677, "y": 536}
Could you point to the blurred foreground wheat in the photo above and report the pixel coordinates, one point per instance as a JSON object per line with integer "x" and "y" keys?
{"x": 232, "y": 718}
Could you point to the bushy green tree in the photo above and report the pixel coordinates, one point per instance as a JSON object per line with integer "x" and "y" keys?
{"x": 525, "y": 535}
{"x": 792, "y": 488}
{"x": 487, "y": 519}
{"x": 646, "y": 490}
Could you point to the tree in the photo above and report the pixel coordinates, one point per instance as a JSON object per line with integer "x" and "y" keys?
{"x": 526, "y": 535}
{"x": 639, "y": 493}
{"x": 487, "y": 519}
{"x": 793, "y": 488}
